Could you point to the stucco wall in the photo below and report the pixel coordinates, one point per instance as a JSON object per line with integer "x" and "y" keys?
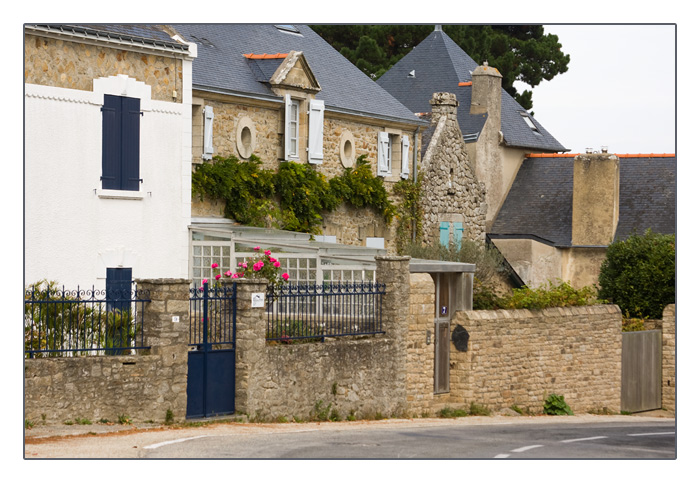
{"x": 74, "y": 230}
{"x": 535, "y": 263}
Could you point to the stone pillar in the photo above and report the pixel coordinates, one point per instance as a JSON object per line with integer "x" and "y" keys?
{"x": 596, "y": 199}
{"x": 166, "y": 330}
{"x": 668, "y": 359}
{"x": 393, "y": 271}
{"x": 251, "y": 326}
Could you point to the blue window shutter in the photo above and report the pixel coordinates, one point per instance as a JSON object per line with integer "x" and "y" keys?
{"x": 445, "y": 233}
{"x": 111, "y": 142}
{"x": 459, "y": 231}
{"x": 131, "y": 129}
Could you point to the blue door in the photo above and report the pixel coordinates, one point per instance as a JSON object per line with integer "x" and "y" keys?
{"x": 211, "y": 362}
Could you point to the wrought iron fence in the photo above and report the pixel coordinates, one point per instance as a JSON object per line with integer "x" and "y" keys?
{"x": 314, "y": 312}
{"x": 212, "y": 316}
{"x": 69, "y": 323}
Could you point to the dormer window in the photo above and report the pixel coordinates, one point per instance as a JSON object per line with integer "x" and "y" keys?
{"x": 528, "y": 121}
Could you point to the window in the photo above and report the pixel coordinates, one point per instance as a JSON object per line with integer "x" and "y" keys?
{"x": 392, "y": 150}
{"x": 118, "y": 289}
{"x": 291, "y": 144}
{"x": 121, "y": 127}
{"x": 451, "y": 232}
{"x": 529, "y": 122}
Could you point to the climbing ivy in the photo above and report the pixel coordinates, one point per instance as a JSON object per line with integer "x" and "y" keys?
{"x": 409, "y": 227}
{"x": 359, "y": 188}
{"x": 293, "y": 198}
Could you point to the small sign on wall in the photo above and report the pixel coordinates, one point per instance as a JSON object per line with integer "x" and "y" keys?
{"x": 258, "y": 300}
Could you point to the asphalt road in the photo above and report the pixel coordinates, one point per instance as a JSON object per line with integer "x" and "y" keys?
{"x": 566, "y": 437}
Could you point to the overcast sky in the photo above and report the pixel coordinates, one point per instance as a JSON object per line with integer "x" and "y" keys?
{"x": 619, "y": 90}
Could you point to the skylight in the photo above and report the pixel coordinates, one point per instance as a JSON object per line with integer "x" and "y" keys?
{"x": 288, "y": 29}
{"x": 529, "y": 122}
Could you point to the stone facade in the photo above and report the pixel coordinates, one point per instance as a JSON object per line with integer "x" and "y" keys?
{"x": 345, "y": 138}
{"x": 73, "y": 65}
{"x": 142, "y": 387}
{"x": 451, "y": 192}
{"x": 668, "y": 359}
{"x": 517, "y": 357}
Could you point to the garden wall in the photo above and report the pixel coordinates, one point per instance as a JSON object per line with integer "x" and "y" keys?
{"x": 360, "y": 376}
{"x": 519, "y": 357}
{"x": 668, "y": 358}
{"x": 139, "y": 387}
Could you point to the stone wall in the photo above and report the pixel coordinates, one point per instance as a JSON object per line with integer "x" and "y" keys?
{"x": 517, "y": 357}
{"x": 451, "y": 191}
{"x": 140, "y": 387}
{"x": 74, "y": 65}
{"x": 360, "y": 376}
{"x": 668, "y": 359}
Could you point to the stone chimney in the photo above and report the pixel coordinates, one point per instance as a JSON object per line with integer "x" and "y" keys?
{"x": 444, "y": 104}
{"x": 486, "y": 92}
{"x": 486, "y": 154}
{"x": 596, "y": 199}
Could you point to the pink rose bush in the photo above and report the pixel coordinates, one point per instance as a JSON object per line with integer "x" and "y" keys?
{"x": 262, "y": 265}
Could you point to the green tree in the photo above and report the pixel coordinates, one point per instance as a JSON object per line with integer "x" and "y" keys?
{"x": 639, "y": 274}
{"x": 520, "y": 52}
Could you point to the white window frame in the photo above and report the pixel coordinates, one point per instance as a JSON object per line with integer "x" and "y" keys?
{"x": 289, "y": 119}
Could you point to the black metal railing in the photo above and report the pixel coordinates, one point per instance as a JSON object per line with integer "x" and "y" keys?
{"x": 212, "y": 315}
{"x": 69, "y": 323}
{"x": 333, "y": 309}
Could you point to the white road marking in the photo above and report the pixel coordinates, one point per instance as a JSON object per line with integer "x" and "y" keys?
{"x": 652, "y": 434}
{"x": 164, "y": 443}
{"x": 583, "y": 439}
{"x": 502, "y": 456}
{"x": 525, "y": 448}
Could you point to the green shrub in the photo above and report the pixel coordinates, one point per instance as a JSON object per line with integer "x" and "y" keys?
{"x": 549, "y": 295}
{"x": 556, "y": 406}
{"x": 478, "y": 410}
{"x": 448, "y": 412}
{"x": 639, "y": 274}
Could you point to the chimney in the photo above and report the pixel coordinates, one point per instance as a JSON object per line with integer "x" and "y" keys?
{"x": 444, "y": 104}
{"x": 486, "y": 92}
{"x": 596, "y": 199}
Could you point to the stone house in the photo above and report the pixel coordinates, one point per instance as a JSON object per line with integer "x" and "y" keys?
{"x": 564, "y": 210}
{"x": 280, "y": 92}
{"x": 551, "y": 214}
{"x": 107, "y": 154}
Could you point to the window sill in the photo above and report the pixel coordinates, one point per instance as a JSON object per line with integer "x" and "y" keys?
{"x": 119, "y": 194}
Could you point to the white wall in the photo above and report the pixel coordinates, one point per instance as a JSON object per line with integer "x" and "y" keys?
{"x": 72, "y": 231}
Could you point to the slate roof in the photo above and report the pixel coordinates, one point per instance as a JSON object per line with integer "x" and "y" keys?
{"x": 134, "y": 33}
{"x": 220, "y": 66}
{"x": 539, "y": 203}
{"x": 440, "y": 65}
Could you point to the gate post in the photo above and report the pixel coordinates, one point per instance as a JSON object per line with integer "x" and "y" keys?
{"x": 166, "y": 326}
{"x": 251, "y": 328}
{"x": 394, "y": 272}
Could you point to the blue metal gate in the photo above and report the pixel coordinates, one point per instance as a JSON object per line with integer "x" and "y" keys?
{"x": 211, "y": 363}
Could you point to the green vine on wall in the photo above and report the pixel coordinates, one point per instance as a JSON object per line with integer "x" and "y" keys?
{"x": 293, "y": 198}
{"x": 409, "y": 228}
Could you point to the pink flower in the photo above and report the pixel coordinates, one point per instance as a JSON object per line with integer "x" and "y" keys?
{"x": 268, "y": 252}
{"x": 258, "y": 266}
{"x": 228, "y": 273}
{"x": 204, "y": 281}
{"x": 218, "y": 276}
{"x": 277, "y": 264}
{"x": 235, "y": 275}
{"x": 214, "y": 265}
{"x": 243, "y": 265}
{"x": 256, "y": 248}
{"x": 285, "y": 276}
{"x": 273, "y": 260}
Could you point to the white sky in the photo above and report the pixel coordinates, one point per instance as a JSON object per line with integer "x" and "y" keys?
{"x": 619, "y": 90}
